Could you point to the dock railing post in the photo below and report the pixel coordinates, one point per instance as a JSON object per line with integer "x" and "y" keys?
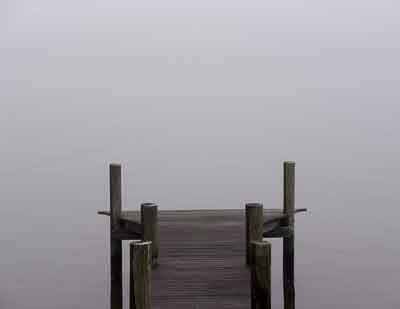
{"x": 140, "y": 275}
{"x": 149, "y": 221}
{"x": 261, "y": 275}
{"x": 288, "y": 242}
{"x": 254, "y": 227}
{"x": 115, "y": 244}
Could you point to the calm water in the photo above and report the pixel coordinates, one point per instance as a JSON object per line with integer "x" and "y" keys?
{"x": 55, "y": 247}
{"x": 201, "y": 101}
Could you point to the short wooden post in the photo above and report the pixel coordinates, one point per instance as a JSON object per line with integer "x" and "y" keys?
{"x": 254, "y": 227}
{"x": 115, "y": 244}
{"x": 140, "y": 264}
{"x": 288, "y": 242}
{"x": 261, "y": 275}
{"x": 149, "y": 220}
{"x": 131, "y": 276}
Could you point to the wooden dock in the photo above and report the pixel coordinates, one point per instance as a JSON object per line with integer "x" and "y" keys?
{"x": 199, "y": 258}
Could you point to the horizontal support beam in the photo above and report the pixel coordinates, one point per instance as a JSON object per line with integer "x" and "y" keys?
{"x": 104, "y": 213}
{"x": 123, "y": 234}
{"x": 283, "y": 216}
{"x": 279, "y": 232}
{"x": 132, "y": 226}
{"x": 126, "y": 226}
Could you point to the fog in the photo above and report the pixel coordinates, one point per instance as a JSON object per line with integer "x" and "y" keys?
{"x": 201, "y": 102}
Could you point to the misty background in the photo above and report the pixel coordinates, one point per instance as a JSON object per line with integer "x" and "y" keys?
{"x": 201, "y": 102}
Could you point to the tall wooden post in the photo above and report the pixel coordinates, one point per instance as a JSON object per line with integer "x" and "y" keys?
{"x": 254, "y": 227}
{"x": 149, "y": 220}
{"x": 115, "y": 244}
{"x": 288, "y": 242}
{"x": 140, "y": 264}
{"x": 261, "y": 275}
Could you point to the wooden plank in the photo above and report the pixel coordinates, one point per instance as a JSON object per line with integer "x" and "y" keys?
{"x": 214, "y": 214}
{"x": 202, "y": 262}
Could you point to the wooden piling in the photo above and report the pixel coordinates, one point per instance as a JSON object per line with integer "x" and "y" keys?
{"x": 261, "y": 275}
{"x": 115, "y": 244}
{"x": 140, "y": 264}
{"x": 288, "y": 242}
{"x": 254, "y": 227}
{"x": 132, "y": 304}
{"x": 149, "y": 221}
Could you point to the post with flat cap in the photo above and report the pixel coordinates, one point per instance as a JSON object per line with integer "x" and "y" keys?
{"x": 115, "y": 244}
{"x": 254, "y": 227}
{"x": 261, "y": 275}
{"x": 288, "y": 242}
{"x": 140, "y": 279}
{"x": 149, "y": 220}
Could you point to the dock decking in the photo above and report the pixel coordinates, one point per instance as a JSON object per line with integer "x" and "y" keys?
{"x": 210, "y": 258}
{"x": 202, "y": 261}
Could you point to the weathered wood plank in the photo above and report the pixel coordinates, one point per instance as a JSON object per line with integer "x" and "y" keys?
{"x": 202, "y": 261}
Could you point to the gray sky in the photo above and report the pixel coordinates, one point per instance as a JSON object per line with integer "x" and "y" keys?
{"x": 201, "y": 101}
{"x": 200, "y": 94}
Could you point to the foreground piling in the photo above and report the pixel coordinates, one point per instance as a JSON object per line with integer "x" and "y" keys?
{"x": 140, "y": 279}
{"x": 261, "y": 275}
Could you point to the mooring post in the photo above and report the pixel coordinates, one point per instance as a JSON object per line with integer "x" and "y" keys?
{"x": 149, "y": 220}
{"x": 140, "y": 278}
{"x": 254, "y": 227}
{"x": 288, "y": 242}
{"x": 261, "y": 275}
{"x": 132, "y": 304}
{"x": 115, "y": 244}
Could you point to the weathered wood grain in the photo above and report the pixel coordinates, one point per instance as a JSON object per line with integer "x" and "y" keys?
{"x": 261, "y": 275}
{"x": 254, "y": 227}
{"x": 288, "y": 242}
{"x": 202, "y": 262}
{"x": 115, "y": 242}
{"x": 149, "y": 222}
{"x": 132, "y": 304}
{"x": 140, "y": 264}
